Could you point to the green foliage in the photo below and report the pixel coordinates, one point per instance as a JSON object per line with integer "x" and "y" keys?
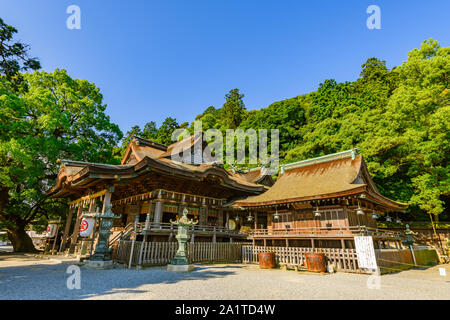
{"x": 57, "y": 117}
{"x": 233, "y": 110}
{"x": 14, "y": 57}
{"x": 399, "y": 118}
{"x": 164, "y": 132}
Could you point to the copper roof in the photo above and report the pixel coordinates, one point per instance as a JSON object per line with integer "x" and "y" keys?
{"x": 338, "y": 175}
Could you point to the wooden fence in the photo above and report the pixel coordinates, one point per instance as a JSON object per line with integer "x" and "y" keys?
{"x": 160, "y": 253}
{"x": 342, "y": 259}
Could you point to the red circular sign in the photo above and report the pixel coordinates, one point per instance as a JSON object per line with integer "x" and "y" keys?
{"x": 84, "y": 226}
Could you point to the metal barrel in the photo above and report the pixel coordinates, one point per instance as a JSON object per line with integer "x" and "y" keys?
{"x": 316, "y": 262}
{"x": 266, "y": 260}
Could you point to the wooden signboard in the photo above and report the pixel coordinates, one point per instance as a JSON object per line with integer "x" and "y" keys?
{"x": 365, "y": 253}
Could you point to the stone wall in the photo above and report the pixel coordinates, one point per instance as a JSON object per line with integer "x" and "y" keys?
{"x": 392, "y": 260}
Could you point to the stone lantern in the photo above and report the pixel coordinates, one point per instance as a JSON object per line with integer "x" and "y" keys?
{"x": 409, "y": 241}
{"x": 181, "y": 262}
{"x": 101, "y": 258}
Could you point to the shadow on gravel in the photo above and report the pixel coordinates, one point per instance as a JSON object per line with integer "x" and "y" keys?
{"x": 49, "y": 281}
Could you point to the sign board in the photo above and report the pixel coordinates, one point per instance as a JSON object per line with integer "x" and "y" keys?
{"x": 86, "y": 227}
{"x": 365, "y": 252}
{"x": 51, "y": 230}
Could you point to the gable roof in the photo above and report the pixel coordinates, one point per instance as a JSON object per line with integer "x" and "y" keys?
{"x": 256, "y": 175}
{"x": 336, "y": 175}
{"x": 143, "y": 156}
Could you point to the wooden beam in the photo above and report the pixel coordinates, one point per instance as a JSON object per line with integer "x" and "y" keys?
{"x": 88, "y": 197}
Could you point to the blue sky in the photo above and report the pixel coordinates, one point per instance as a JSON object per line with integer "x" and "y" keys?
{"x": 154, "y": 59}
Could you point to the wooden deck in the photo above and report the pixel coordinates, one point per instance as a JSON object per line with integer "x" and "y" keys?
{"x": 324, "y": 233}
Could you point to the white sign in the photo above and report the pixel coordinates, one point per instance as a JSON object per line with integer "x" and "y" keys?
{"x": 365, "y": 252}
{"x": 86, "y": 226}
{"x": 51, "y": 230}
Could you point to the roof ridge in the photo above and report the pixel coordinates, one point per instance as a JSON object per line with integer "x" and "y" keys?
{"x": 326, "y": 158}
{"x": 150, "y": 143}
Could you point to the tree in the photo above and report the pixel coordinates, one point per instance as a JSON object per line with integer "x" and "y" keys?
{"x": 150, "y": 131}
{"x": 233, "y": 110}
{"x": 56, "y": 118}
{"x": 164, "y": 132}
{"x": 419, "y": 110}
{"x": 14, "y": 57}
{"x": 135, "y": 131}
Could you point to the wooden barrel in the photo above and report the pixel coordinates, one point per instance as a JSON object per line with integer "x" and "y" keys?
{"x": 266, "y": 260}
{"x": 316, "y": 262}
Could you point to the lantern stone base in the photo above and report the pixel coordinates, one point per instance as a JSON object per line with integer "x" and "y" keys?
{"x": 93, "y": 264}
{"x": 180, "y": 267}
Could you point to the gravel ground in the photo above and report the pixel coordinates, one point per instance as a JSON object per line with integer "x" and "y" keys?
{"x": 25, "y": 277}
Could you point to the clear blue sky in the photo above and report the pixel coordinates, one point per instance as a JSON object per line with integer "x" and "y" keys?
{"x": 154, "y": 59}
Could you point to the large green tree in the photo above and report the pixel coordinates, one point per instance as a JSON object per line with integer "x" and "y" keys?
{"x": 57, "y": 117}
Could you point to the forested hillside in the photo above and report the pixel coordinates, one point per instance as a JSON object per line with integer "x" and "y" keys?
{"x": 399, "y": 118}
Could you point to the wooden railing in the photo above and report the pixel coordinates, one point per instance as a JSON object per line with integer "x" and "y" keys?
{"x": 327, "y": 231}
{"x": 342, "y": 259}
{"x": 122, "y": 234}
{"x": 162, "y": 226}
{"x": 160, "y": 253}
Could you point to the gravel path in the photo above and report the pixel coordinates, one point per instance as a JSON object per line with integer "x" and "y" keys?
{"x": 25, "y": 277}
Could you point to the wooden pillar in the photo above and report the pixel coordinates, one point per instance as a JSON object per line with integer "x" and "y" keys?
{"x": 287, "y": 242}
{"x": 107, "y": 201}
{"x": 312, "y": 243}
{"x": 342, "y": 243}
{"x": 256, "y": 220}
{"x": 202, "y": 217}
{"x": 158, "y": 212}
{"x": 76, "y": 229}
{"x": 265, "y": 242}
{"x": 214, "y": 239}
{"x": 220, "y": 219}
{"x": 227, "y": 217}
{"x": 66, "y": 229}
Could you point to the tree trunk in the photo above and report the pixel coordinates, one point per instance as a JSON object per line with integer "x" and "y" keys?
{"x": 20, "y": 240}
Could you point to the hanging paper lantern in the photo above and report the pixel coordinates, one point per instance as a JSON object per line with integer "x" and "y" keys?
{"x": 86, "y": 227}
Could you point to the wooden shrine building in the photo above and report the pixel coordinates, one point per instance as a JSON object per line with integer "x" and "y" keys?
{"x": 321, "y": 202}
{"x": 148, "y": 189}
